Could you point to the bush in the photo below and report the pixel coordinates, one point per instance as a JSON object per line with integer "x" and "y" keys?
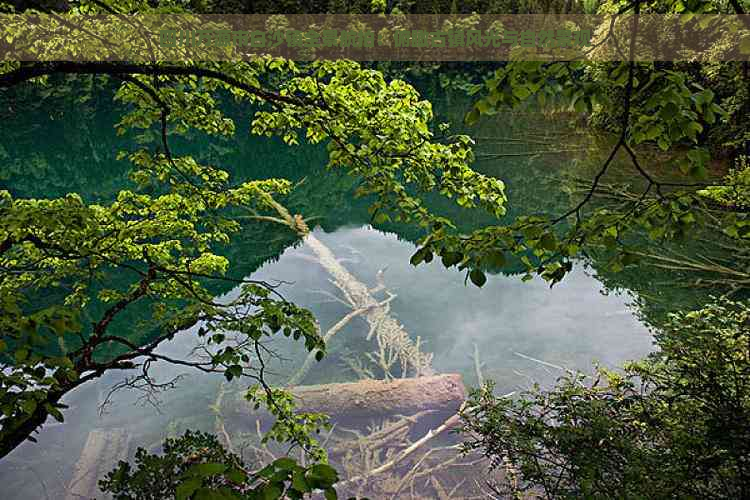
{"x": 676, "y": 425}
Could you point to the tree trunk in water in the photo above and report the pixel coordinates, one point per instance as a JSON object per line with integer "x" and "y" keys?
{"x": 397, "y": 350}
{"x": 357, "y": 403}
{"x": 103, "y": 450}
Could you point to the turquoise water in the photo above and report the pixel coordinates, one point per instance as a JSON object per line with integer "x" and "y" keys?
{"x": 509, "y": 323}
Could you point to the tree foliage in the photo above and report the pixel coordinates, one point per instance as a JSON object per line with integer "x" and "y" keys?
{"x": 164, "y": 234}
{"x": 197, "y": 466}
{"x": 673, "y": 425}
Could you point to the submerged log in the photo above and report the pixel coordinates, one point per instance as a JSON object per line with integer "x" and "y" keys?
{"x": 365, "y": 398}
{"x": 101, "y": 453}
{"x": 357, "y": 403}
{"x": 395, "y": 346}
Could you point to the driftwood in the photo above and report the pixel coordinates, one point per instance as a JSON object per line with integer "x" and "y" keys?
{"x": 356, "y": 403}
{"x": 404, "y": 396}
{"x": 300, "y": 375}
{"x": 101, "y": 453}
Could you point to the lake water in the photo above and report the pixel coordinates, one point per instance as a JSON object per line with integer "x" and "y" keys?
{"x": 509, "y": 323}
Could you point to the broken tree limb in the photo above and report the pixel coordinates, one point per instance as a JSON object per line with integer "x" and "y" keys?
{"x": 380, "y": 280}
{"x": 478, "y": 365}
{"x": 451, "y": 422}
{"x": 394, "y": 344}
{"x": 541, "y": 362}
{"x": 529, "y": 153}
{"x": 221, "y": 430}
{"x": 395, "y": 347}
{"x": 390, "y": 434}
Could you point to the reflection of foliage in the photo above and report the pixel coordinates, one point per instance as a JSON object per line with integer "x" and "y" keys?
{"x": 726, "y": 79}
{"x": 77, "y": 117}
{"x": 394, "y": 6}
{"x": 652, "y": 104}
{"x": 396, "y": 353}
{"x": 674, "y": 425}
{"x": 676, "y": 275}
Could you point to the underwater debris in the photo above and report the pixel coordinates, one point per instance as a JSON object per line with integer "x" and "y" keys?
{"x": 104, "y": 448}
{"x": 389, "y": 436}
{"x": 394, "y": 347}
{"x": 357, "y": 404}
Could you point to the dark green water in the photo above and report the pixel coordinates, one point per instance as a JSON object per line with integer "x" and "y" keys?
{"x": 571, "y": 325}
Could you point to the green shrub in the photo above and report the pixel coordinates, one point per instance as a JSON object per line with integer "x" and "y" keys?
{"x": 676, "y": 425}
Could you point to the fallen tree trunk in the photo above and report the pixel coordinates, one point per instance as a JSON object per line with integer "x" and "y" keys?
{"x": 366, "y": 398}
{"x": 395, "y": 347}
{"x": 357, "y": 403}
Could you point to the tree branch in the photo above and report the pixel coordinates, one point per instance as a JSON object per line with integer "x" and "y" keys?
{"x": 625, "y": 124}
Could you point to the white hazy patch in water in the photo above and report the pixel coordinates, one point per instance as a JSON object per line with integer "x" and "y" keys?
{"x": 572, "y": 324}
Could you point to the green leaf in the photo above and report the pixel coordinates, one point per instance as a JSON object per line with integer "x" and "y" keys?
{"x": 580, "y": 106}
{"x": 451, "y": 258}
{"x": 300, "y": 483}
{"x": 330, "y": 494}
{"x": 211, "y": 494}
{"x": 234, "y": 371}
{"x": 28, "y": 406}
{"x": 382, "y": 218}
{"x": 186, "y": 489}
{"x": 324, "y": 474}
{"x": 237, "y": 476}
{"x": 477, "y": 277}
{"x": 653, "y": 132}
{"x": 269, "y": 469}
{"x": 472, "y": 117}
{"x": 285, "y": 463}
{"x": 629, "y": 258}
{"x": 745, "y": 45}
{"x": 271, "y": 491}
{"x": 496, "y": 258}
{"x": 521, "y": 92}
{"x": 205, "y": 470}
{"x": 548, "y": 241}
{"x": 420, "y": 256}
{"x": 56, "y": 413}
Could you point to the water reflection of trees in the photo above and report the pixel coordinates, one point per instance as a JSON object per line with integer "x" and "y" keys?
{"x": 534, "y": 155}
